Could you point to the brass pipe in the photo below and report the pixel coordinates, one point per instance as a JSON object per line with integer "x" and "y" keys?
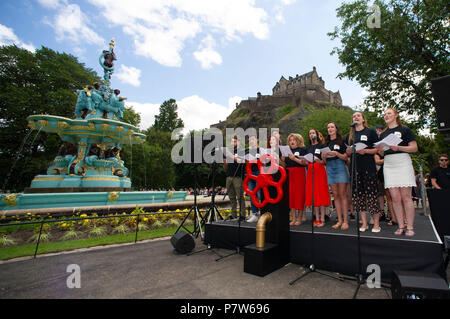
{"x": 261, "y": 229}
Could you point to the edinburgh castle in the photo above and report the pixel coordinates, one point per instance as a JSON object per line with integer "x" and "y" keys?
{"x": 288, "y": 96}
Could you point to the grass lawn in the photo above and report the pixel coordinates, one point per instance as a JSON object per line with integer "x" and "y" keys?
{"x": 51, "y": 247}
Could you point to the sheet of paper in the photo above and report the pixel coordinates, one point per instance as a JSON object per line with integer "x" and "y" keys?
{"x": 309, "y": 157}
{"x": 326, "y": 150}
{"x": 390, "y": 140}
{"x": 285, "y": 150}
{"x": 358, "y": 146}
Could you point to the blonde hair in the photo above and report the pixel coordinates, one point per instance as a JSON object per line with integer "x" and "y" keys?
{"x": 352, "y": 130}
{"x": 298, "y": 138}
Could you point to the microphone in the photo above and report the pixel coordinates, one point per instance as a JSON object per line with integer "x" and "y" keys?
{"x": 354, "y": 124}
{"x": 314, "y": 137}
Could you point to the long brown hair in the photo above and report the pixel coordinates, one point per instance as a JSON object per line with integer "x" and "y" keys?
{"x": 352, "y": 130}
{"x": 319, "y": 136}
{"x": 338, "y": 133}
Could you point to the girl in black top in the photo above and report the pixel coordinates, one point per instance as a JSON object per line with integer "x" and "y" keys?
{"x": 398, "y": 171}
{"x": 337, "y": 173}
{"x": 319, "y": 184}
{"x": 297, "y": 177}
{"x": 365, "y": 184}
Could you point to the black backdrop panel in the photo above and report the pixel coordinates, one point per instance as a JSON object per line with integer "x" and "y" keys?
{"x": 441, "y": 95}
{"x": 440, "y": 210}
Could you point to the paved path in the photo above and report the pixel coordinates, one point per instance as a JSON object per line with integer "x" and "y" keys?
{"x": 153, "y": 270}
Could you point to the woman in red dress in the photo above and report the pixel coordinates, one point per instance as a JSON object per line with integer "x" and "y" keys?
{"x": 297, "y": 177}
{"x": 319, "y": 184}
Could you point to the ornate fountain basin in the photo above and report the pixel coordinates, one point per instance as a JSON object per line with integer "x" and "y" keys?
{"x": 97, "y": 130}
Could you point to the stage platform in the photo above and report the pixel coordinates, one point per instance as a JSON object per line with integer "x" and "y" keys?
{"x": 337, "y": 250}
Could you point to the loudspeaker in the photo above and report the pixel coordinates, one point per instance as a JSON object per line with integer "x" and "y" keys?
{"x": 441, "y": 94}
{"x": 417, "y": 285}
{"x": 182, "y": 242}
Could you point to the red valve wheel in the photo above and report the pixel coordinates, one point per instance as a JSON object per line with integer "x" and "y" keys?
{"x": 264, "y": 180}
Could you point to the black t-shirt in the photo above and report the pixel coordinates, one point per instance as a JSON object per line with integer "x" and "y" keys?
{"x": 301, "y": 152}
{"x": 235, "y": 169}
{"x": 401, "y": 131}
{"x": 315, "y": 150}
{"x": 335, "y": 146}
{"x": 364, "y": 162}
{"x": 255, "y": 152}
{"x": 442, "y": 176}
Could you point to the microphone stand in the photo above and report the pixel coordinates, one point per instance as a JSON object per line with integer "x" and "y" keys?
{"x": 354, "y": 180}
{"x": 194, "y": 209}
{"x": 213, "y": 212}
{"x": 312, "y": 267}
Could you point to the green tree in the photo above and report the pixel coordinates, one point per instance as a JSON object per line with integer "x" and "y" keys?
{"x": 319, "y": 118}
{"x": 130, "y": 116}
{"x": 167, "y": 120}
{"x": 396, "y": 61}
{"x": 42, "y": 82}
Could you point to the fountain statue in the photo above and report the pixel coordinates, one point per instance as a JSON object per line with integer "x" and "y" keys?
{"x": 89, "y": 159}
{"x": 88, "y": 170}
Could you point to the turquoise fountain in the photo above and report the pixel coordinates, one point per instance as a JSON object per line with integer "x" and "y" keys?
{"x": 88, "y": 170}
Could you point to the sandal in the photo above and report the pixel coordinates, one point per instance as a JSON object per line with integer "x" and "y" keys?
{"x": 410, "y": 232}
{"x": 337, "y": 225}
{"x": 292, "y": 222}
{"x": 298, "y": 223}
{"x": 363, "y": 229}
{"x": 344, "y": 226}
{"x": 399, "y": 231}
{"x": 320, "y": 224}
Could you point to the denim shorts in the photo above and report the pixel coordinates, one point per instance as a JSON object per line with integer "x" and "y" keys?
{"x": 337, "y": 172}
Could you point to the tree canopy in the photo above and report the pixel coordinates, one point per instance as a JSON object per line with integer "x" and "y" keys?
{"x": 40, "y": 82}
{"x": 396, "y": 61}
{"x": 167, "y": 120}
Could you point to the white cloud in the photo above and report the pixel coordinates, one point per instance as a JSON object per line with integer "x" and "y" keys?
{"x": 8, "y": 37}
{"x": 162, "y": 44}
{"x": 197, "y": 113}
{"x": 129, "y": 75}
{"x": 147, "y": 112}
{"x": 71, "y": 24}
{"x": 232, "y": 101}
{"x": 206, "y": 54}
{"x": 161, "y": 28}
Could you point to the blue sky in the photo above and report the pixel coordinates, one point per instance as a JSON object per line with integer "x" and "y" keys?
{"x": 206, "y": 54}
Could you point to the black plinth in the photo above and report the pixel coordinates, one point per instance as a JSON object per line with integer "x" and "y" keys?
{"x": 275, "y": 254}
{"x": 262, "y": 261}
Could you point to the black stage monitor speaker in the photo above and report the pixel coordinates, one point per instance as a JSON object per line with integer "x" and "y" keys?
{"x": 418, "y": 285}
{"x": 441, "y": 94}
{"x": 182, "y": 242}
